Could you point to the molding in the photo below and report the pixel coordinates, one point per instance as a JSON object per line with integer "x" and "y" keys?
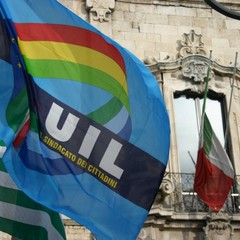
{"x": 100, "y": 10}
{"x": 191, "y": 61}
{"x": 183, "y": 62}
{"x": 182, "y": 3}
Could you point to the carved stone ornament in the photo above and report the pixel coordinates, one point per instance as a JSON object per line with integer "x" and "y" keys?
{"x": 195, "y": 70}
{"x": 143, "y": 235}
{"x": 192, "y": 44}
{"x": 101, "y": 9}
{"x": 164, "y": 195}
{"x": 167, "y": 187}
{"x": 218, "y": 226}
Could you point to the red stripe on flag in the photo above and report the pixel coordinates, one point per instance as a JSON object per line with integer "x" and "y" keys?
{"x": 210, "y": 183}
{"x": 71, "y": 35}
{"x": 22, "y": 134}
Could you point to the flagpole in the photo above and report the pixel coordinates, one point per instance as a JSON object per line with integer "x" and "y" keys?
{"x": 206, "y": 85}
{"x": 204, "y": 99}
{"x": 230, "y": 103}
{"x": 199, "y": 113}
{"x": 206, "y": 90}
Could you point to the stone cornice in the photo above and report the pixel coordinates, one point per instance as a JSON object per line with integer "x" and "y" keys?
{"x": 181, "y": 63}
{"x": 163, "y": 2}
{"x": 234, "y": 4}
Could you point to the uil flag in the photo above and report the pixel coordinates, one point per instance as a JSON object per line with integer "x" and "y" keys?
{"x": 20, "y": 216}
{"x": 214, "y": 172}
{"x": 98, "y": 138}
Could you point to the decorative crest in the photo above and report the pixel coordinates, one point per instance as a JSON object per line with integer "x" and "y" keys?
{"x": 218, "y": 226}
{"x": 195, "y": 69}
{"x": 192, "y": 44}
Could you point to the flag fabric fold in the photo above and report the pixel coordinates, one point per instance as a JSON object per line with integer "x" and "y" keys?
{"x": 214, "y": 172}
{"x": 92, "y": 139}
{"x": 20, "y": 216}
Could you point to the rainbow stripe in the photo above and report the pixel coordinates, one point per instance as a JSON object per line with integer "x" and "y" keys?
{"x": 49, "y": 49}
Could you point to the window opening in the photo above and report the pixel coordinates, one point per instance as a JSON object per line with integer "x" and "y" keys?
{"x": 188, "y": 109}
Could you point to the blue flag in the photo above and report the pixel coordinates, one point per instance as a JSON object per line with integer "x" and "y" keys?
{"x": 20, "y": 216}
{"x": 97, "y": 139}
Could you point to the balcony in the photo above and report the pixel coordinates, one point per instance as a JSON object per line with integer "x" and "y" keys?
{"x": 182, "y": 198}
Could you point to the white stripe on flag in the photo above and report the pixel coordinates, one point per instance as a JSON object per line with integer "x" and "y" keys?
{"x": 219, "y": 158}
{"x": 2, "y": 151}
{"x": 27, "y": 116}
{"x": 6, "y": 181}
{"x": 29, "y": 216}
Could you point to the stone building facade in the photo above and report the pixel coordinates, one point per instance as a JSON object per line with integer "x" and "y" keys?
{"x": 178, "y": 40}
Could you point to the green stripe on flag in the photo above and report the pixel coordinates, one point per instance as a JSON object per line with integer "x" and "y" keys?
{"x": 2, "y": 167}
{"x": 16, "y": 110}
{"x": 19, "y": 198}
{"x": 105, "y": 113}
{"x": 34, "y": 122}
{"x": 12, "y": 227}
{"x": 207, "y": 135}
{"x": 57, "y": 69}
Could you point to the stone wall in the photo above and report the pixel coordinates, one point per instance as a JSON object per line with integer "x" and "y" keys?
{"x": 153, "y": 28}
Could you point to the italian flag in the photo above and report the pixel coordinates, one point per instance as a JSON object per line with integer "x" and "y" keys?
{"x": 214, "y": 172}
